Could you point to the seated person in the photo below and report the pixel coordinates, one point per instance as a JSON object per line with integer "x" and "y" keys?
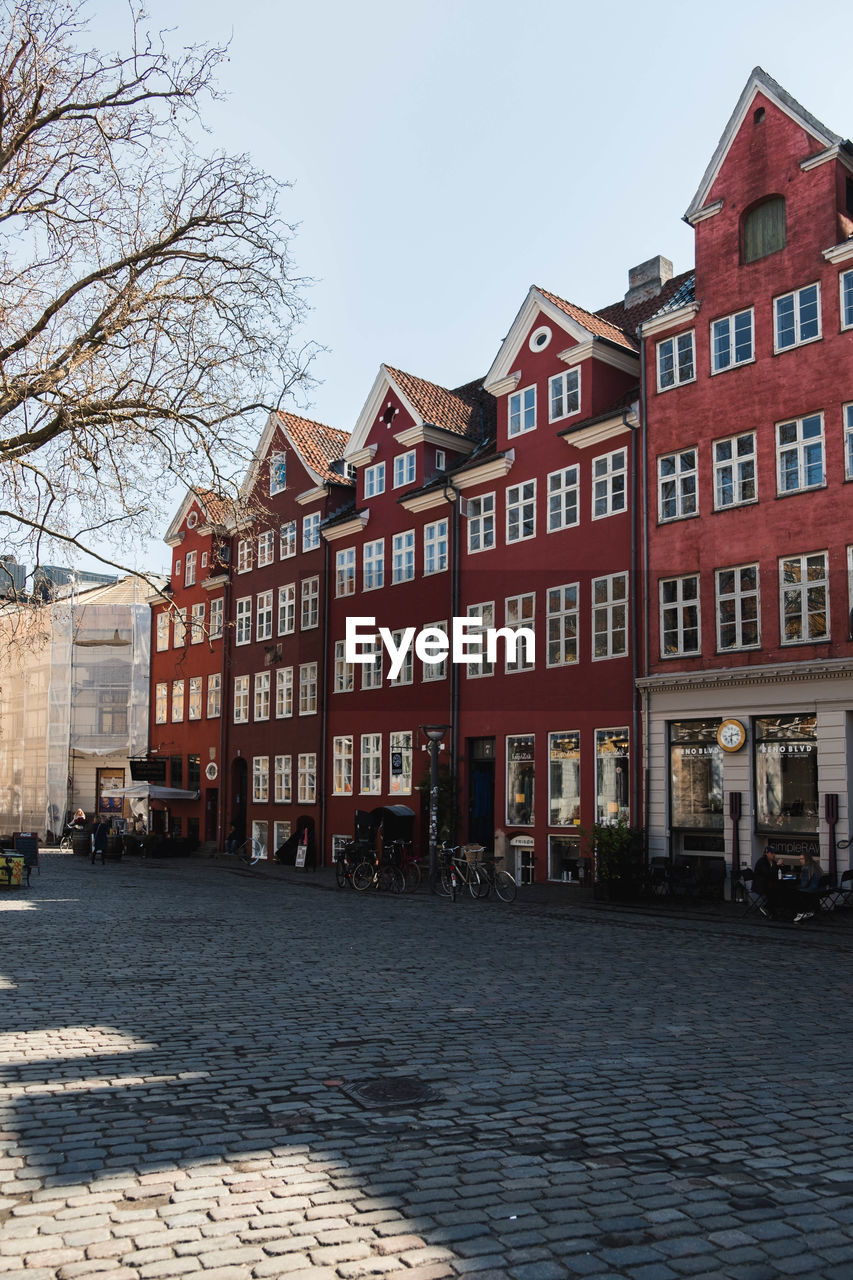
{"x": 808, "y": 889}
{"x": 765, "y": 879}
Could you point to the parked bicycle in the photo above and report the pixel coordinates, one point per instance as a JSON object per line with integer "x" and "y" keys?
{"x": 66, "y": 842}
{"x": 250, "y": 851}
{"x": 347, "y": 858}
{"x": 401, "y": 854}
{"x": 492, "y": 877}
{"x": 378, "y": 872}
{"x": 456, "y": 873}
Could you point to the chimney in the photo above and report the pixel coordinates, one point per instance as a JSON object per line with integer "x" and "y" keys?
{"x": 647, "y": 280}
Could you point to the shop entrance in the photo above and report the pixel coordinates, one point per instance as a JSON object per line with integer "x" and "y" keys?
{"x": 480, "y": 753}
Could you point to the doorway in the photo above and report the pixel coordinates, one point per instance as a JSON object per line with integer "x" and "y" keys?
{"x": 211, "y": 813}
{"x": 480, "y": 754}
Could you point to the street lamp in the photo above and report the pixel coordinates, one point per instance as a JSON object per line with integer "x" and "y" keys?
{"x": 434, "y": 733}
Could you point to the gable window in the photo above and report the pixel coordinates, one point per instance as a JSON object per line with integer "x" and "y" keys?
{"x": 440, "y": 460}
{"x": 563, "y": 498}
{"x": 522, "y": 411}
{"x": 311, "y": 531}
{"x": 373, "y": 565}
{"x": 278, "y": 473}
{"x": 404, "y": 469}
{"x": 244, "y": 555}
{"x": 676, "y": 361}
{"x": 804, "y": 589}
{"x": 435, "y": 547}
{"x": 846, "y": 285}
{"x": 734, "y": 471}
{"x": 679, "y": 616}
{"x": 266, "y": 548}
{"x": 204, "y": 559}
{"x": 610, "y": 616}
{"x": 564, "y": 394}
{"x": 263, "y": 619}
{"x": 214, "y": 696}
{"x": 608, "y": 484}
{"x": 374, "y": 480}
{"x": 310, "y": 617}
{"x": 344, "y": 671}
{"x": 738, "y": 612}
{"x": 563, "y": 625}
{"x": 764, "y": 229}
{"x": 244, "y": 621}
{"x": 799, "y": 452}
{"x": 403, "y": 556}
{"x": 241, "y": 699}
{"x": 287, "y": 609}
{"x": 284, "y": 693}
{"x": 481, "y": 523}
{"x": 345, "y": 572}
{"x": 731, "y": 341}
{"x": 190, "y": 568}
{"x": 521, "y": 511}
{"x": 262, "y": 695}
{"x": 677, "y": 485}
{"x": 287, "y": 540}
{"x": 797, "y": 317}
{"x": 520, "y": 611}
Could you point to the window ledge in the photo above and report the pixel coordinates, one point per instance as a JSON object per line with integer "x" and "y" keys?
{"x": 694, "y": 515}
{"x": 740, "y": 364}
{"x": 686, "y": 383}
{"x": 806, "y": 488}
{"x": 734, "y": 506}
{"x": 806, "y": 342}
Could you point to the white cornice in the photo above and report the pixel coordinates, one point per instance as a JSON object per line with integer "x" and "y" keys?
{"x": 493, "y": 469}
{"x": 423, "y": 501}
{"x": 175, "y": 539}
{"x": 670, "y": 319}
{"x": 363, "y": 456}
{"x": 311, "y": 495}
{"x": 594, "y": 347}
{"x": 502, "y": 385}
{"x": 823, "y": 157}
{"x": 347, "y": 528}
{"x": 210, "y": 584}
{"x": 533, "y": 304}
{"x": 839, "y": 252}
{"x": 701, "y": 214}
{"x": 586, "y": 437}
{"x": 427, "y": 433}
{"x": 730, "y": 677}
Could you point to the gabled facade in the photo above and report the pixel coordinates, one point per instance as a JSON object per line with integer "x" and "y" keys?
{"x": 750, "y": 453}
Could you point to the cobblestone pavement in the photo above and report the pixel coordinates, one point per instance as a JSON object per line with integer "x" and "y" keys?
{"x": 613, "y": 1093}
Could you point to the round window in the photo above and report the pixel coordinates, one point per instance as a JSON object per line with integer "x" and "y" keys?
{"x": 192, "y": 519}
{"x": 540, "y": 338}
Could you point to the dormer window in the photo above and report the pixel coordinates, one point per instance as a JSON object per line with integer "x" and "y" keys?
{"x": 764, "y": 229}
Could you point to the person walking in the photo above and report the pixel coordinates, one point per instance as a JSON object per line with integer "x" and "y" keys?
{"x": 99, "y": 840}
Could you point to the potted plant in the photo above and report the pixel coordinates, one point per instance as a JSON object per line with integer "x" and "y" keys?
{"x": 618, "y": 858}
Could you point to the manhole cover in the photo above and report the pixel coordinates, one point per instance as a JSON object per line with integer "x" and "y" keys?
{"x": 391, "y": 1091}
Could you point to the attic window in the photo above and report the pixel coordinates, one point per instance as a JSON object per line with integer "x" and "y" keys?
{"x": 764, "y": 229}
{"x": 758, "y": 115}
{"x": 539, "y": 338}
{"x": 192, "y": 519}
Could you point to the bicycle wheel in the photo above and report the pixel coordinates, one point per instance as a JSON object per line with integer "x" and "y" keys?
{"x": 363, "y": 876}
{"x": 482, "y": 889}
{"x": 65, "y": 844}
{"x": 440, "y": 882}
{"x": 472, "y": 879}
{"x": 250, "y": 852}
{"x": 505, "y": 886}
{"x": 391, "y": 880}
{"x": 340, "y": 873}
{"x": 413, "y": 877}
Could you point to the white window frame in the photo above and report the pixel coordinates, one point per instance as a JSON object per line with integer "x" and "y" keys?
{"x": 244, "y": 555}
{"x": 733, "y": 472}
{"x": 804, "y": 588}
{"x": 344, "y": 671}
{"x": 214, "y": 696}
{"x": 432, "y": 671}
{"x": 194, "y": 698}
{"x": 481, "y": 523}
{"x": 436, "y": 547}
{"x": 563, "y": 623}
{"x": 405, "y": 468}
{"x": 564, "y": 390}
{"x": 845, "y": 298}
{"x": 263, "y": 616}
{"x": 679, "y": 487}
{"x": 519, "y": 611}
{"x": 407, "y": 670}
{"x": 374, "y": 480}
{"x": 278, "y": 472}
{"x": 680, "y": 615}
{"x": 521, "y": 511}
{"x": 345, "y": 572}
{"x": 309, "y": 615}
{"x": 521, "y": 409}
{"x": 266, "y": 548}
{"x": 440, "y": 460}
{"x": 243, "y": 628}
{"x": 564, "y": 496}
{"x": 738, "y": 597}
{"x": 373, "y": 565}
{"x": 287, "y": 540}
{"x": 262, "y": 695}
{"x": 607, "y": 609}
{"x": 311, "y": 531}
{"x": 283, "y": 780}
{"x": 673, "y": 348}
{"x": 241, "y": 699}
{"x": 610, "y": 484}
{"x": 177, "y": 701}
{"x": 284, "y": 693}
{"x": 400, "y": 784}
{"x": 197, "y": 623}
{"x": 260, "y": 779}
{"x": 190, "y": 567}
{"x": 847, "y": 420}
{"x": 403, "y": 557}
{"x": 796, "y": 295}
{"x": 287, "y": 609}
{"x": 179, "y": 628}
{"x": 798, "y": 448}
{"x": 161, "y": 702}
{"x": 217, "y": 618}
{"x": 371, "y": 672}
{"x": 308, "y": 674}
{"x": 163, "y": 624}
{"x": 726, "y": 328}
{"x": 479, "y": 668}
{"x": 342, "y": 765}
{"x": 370, "y": 765}
{"x": 306, "y": 785}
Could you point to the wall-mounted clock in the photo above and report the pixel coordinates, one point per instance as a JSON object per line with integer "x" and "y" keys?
{"x": 731, "y": 735}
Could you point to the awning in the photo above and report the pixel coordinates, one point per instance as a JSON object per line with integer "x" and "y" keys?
{"x": 149, "y": 791}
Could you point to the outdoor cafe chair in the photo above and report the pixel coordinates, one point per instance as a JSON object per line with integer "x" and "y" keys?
{"x": 754, "y": 902}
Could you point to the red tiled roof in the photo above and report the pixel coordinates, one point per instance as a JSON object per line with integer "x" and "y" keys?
{"x": 630, "y": 318}
{"x": 216, "y": 509}
{"x": 318, "y": 444}
{"x": 466, "y": 411}
{"x": 602, "y": 327}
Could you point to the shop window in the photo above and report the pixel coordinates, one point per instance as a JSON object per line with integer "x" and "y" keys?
{"x": 611, "y": 775}
{"x": 786, "y": 782}
{"x": 564, "y": 786}
{"x": 564, "y": 859}
{"x": 695, "y": 775}
{"x": 520, "y": 773}
{"x": 763, "y": 229}
{"x": 306, "y": 778}
{"x": 176, "y": 771}
{"x": 281, "y": 832}
{"x": 259, "y": 833}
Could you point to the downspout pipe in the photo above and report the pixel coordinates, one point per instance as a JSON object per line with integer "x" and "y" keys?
{"x": 454, "y": 500}
{"x": 324, "y": 709}
{"x": 644, "y": 516}
{"x": 635, "y": 624}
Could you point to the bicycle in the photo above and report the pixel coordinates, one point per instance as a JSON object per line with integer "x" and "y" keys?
{"x": 250, "y": 851}
{"x": 399, "y": 852}
{"x": 378, "y": 873}
{"x": 346, "y": 861}
{"x": 456, "y": 872}
{"x": 494, "y": 878}
{"x": 66, "y": 842}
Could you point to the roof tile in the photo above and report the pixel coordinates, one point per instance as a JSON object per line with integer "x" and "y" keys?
{"x": 318, "y": 444}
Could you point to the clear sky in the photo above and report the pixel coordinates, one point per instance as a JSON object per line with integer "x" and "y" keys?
{"x": 445, "y": 156}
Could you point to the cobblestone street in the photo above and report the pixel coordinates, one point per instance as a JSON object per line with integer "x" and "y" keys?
{"x": 613, "y": 1093}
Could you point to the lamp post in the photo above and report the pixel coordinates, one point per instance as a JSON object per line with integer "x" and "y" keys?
{"x": 434, "y": 734}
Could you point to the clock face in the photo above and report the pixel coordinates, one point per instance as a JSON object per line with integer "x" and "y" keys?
{"x": 731, "y": 735}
